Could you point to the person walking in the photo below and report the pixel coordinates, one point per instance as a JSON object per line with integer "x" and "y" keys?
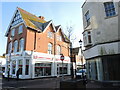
{"x": 18, "y": 72}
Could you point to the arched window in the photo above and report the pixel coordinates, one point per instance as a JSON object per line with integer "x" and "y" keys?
{"x": 10, "y": 47}
{"x": 49, "y": 48}
{"x": 21, "y": 45}
{"x": 58, "y": 49}
{"x": 15, "y": 46}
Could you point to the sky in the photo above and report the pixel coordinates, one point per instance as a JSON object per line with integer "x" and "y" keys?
{"x": 61, "y": 13}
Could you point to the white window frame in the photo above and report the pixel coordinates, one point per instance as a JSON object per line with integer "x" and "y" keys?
{"x": 15, "y": 46}
{"x": 87, "y": 18}
{"x": 20, "y": 29}
{"x": 13, "y": 32}
{"x": 50, "y": 46}
{"x": 58, "y": 49}
{"x": 50, "y": 34}
{"x": 86, "y": 38}
{"x": 10, "y": 47}
{"x": 21, "y": 45}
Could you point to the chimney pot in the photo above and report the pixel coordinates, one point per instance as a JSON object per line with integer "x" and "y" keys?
{"x": 41, "y": 17}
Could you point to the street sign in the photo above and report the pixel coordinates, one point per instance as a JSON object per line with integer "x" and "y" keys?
{"x": 62, "y": 57}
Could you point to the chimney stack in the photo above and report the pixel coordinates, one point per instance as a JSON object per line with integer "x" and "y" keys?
{"x": 41, "y": 17}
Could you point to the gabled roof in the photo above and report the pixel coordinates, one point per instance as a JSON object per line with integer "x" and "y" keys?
{"x": 35, "y": 23}
{"x": 28, "y": 18}
{"x": 60, "y": 28}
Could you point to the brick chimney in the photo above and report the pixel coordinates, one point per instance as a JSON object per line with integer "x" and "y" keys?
{"x": 41, "y": 17}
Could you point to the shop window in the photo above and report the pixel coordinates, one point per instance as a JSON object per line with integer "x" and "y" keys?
{"x": 42, "y": 69}
{"x": 20, "y": 66}
{"x": 13, "y": 66}
{"x": 15, "y": 46}
{"x": 21, "y": 45}
{"x": 109, "y": 9}
{"x": 27, "y": 67}
{"x": 59, "y": 68}
{"x": 49, "y": 48}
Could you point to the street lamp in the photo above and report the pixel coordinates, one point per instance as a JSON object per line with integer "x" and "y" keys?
{"x": 81, "y": 55}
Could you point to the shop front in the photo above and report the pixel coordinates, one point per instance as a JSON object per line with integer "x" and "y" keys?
{"x": 35, "y": 65}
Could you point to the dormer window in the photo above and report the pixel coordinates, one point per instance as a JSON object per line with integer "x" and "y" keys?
{"x": 20, "y": 29}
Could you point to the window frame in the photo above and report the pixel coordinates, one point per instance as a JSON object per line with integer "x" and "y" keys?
{"x": 10, "y": 47}
{"x": 21, "y": 44}
{"x": 20, "y": 29}
{"x": 15, "y": 43}
{"x": 50, "y": 47}
{"x": 109, "y": 9}
{"x": 87, "y": 18}
{"x": 58, "y": 49}
{"x": 13, "y": 32}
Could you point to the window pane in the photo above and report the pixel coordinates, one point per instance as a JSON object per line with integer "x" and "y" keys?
{"x": 49, "y": 48}
{"x": 10, "y": 47}
{"x": 21, "y": 45}
{"x": 13, "y": 66}
{"x": 109, "y": 9}
{"x": 12, "y": 32}
{"x": 15, "y": 46}
{"x": 27, "y": 67}
{"x": 20, "y": 29}
{"x": 20, "y": 66}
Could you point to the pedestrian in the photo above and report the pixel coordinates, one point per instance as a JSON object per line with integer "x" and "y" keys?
{"x": 18, "y": 72}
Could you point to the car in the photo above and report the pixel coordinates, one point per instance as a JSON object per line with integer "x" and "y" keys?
{"x": 80, "y": 72}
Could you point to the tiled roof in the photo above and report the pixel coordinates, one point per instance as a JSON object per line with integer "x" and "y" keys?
{"x": 28, "y": 18}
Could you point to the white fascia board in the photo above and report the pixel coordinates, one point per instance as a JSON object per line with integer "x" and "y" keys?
{"x": 12, "y": 20}
{"x": 49, "y": 25}
{"x": 22, "y": 18}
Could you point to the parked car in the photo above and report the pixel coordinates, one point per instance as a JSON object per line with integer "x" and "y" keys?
{"x": 80, "y": 72}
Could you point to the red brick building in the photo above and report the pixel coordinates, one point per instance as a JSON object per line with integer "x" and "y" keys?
{"x": 34, "y": 46}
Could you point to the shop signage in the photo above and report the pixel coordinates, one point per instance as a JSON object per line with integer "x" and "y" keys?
{"x": 38, "y": 57}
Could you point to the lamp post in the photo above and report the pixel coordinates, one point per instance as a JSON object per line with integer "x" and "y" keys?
{"x": 62, "y": 58}
{"x": 81, "y": 55}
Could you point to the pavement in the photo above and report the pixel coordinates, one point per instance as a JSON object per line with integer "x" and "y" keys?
{"x": 51, "y": 83}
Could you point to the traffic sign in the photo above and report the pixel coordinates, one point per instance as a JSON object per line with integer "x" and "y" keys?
{"x": 62, "y": 57}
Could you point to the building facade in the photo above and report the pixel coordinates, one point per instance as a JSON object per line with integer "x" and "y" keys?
{"x": 101, "y": 37}
{"x": 34, "y": 47}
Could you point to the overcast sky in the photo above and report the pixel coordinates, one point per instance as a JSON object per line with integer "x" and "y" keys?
{"x": 61, "y": 13}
